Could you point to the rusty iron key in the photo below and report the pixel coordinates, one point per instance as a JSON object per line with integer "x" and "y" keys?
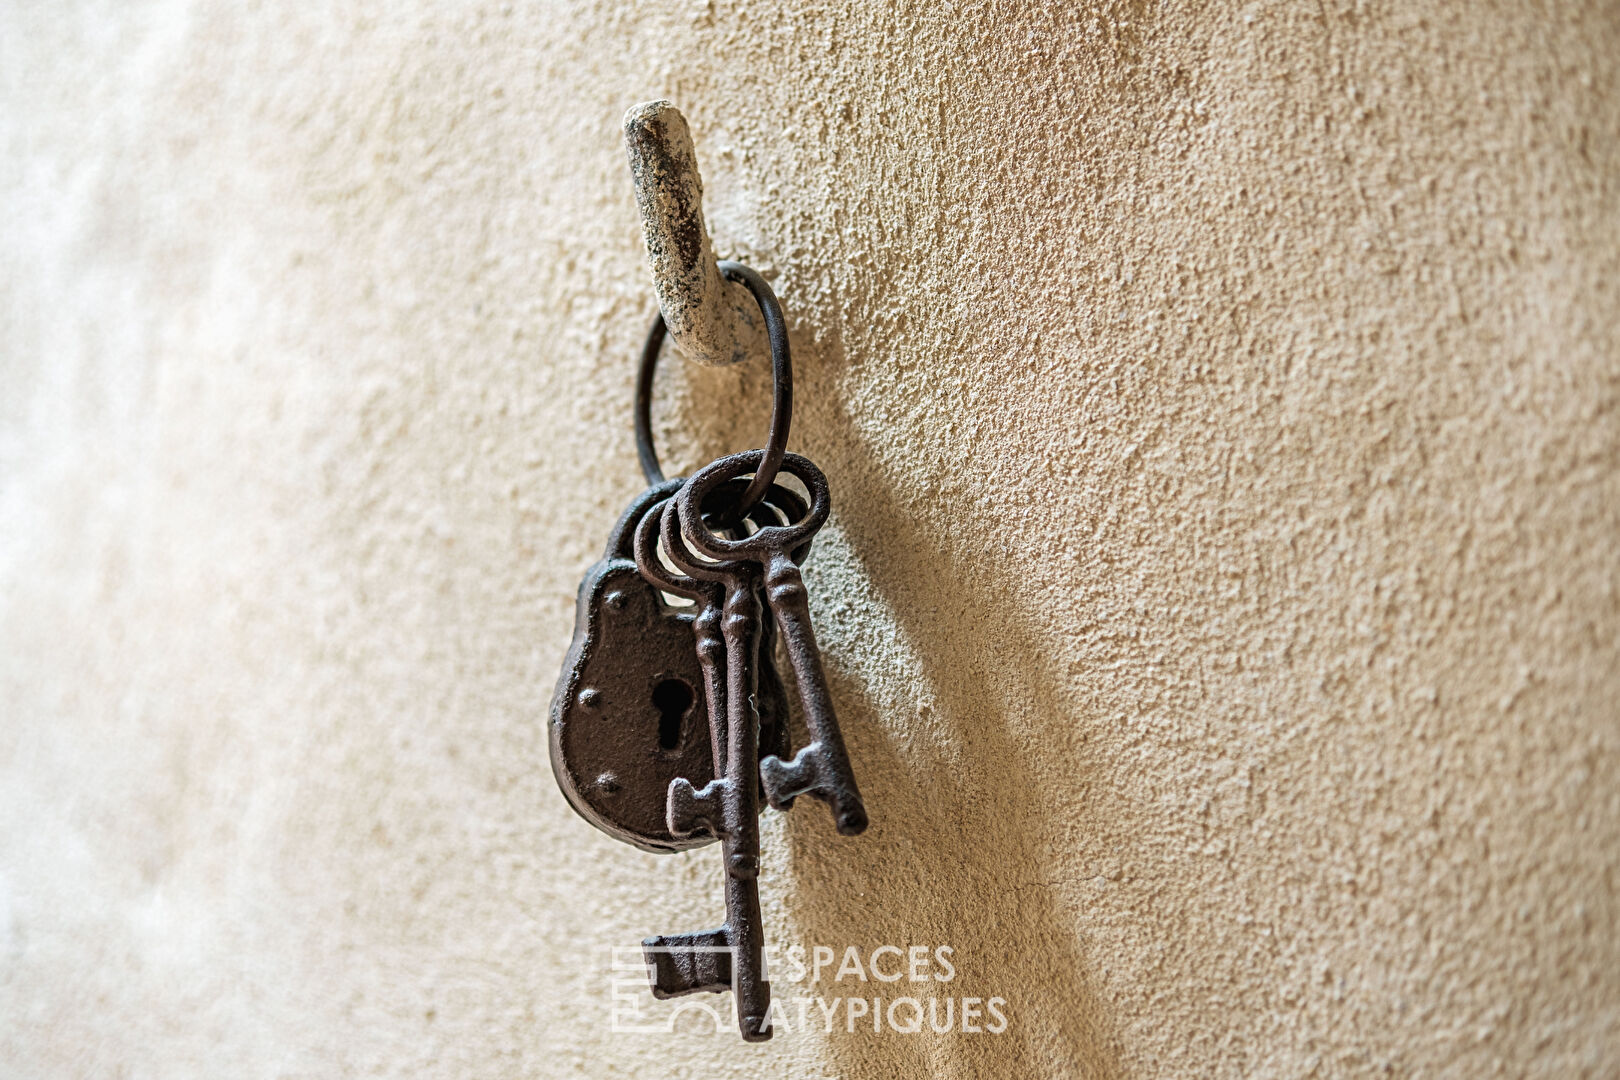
{"x": 732, "y": 956}
{"x": 821, "y": 768}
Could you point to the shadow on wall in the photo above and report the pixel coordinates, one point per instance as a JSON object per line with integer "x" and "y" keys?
{"x": 956, "y": 852}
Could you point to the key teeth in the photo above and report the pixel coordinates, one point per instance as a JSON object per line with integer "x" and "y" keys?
{"x": 809, "y": 773}
{"x": 688, "y": 810}
{"x": 786, "y": 780}
{"x": 693, "y": 963}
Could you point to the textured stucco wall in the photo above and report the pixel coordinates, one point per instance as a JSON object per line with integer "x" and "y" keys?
{"x": 1220, "y": 598}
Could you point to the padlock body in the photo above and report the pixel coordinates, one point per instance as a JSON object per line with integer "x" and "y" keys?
{"x": 629, "y": 714}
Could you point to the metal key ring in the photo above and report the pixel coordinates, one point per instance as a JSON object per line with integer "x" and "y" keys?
{"x": 770, "y": 538}
{"x": 648, "y": 533}
{"x": 782, "y": 502}
{"x": 700, "y": 571}
{"x": 781, "y": 392}
{"x": 720, "y": 573}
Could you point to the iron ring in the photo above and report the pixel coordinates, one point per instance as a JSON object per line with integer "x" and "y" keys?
{"x": 688, "y": 502}
{"x": 781, "y": 392}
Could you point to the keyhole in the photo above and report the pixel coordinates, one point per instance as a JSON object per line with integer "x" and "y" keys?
{"x": 671, "y": 698}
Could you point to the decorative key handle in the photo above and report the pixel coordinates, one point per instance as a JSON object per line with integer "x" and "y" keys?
{"x": 669, "y": 724}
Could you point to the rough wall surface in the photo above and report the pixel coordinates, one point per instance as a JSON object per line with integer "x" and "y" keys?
{"x": 1220, "y": 598}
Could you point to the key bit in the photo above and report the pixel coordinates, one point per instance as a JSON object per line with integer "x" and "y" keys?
{"x": 689, "y": 810}
{"x": 692, "y": 963}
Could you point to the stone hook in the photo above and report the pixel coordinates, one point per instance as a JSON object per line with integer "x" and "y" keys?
{"x": 713, "y": 320}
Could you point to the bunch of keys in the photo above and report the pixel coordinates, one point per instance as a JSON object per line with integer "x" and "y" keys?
{"x": 670, "y": 722}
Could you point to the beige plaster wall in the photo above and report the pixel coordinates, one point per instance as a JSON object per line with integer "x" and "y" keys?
{"x": 1220, "y": 403}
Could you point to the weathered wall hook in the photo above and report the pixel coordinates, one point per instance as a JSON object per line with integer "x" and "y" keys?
{"x": 713, "y": 321}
